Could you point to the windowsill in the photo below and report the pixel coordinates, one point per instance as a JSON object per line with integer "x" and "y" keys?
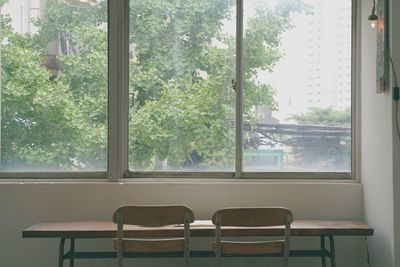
{"x": 182, "y": 181}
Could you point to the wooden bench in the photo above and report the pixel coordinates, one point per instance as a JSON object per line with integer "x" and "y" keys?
{"x": 324, "y": 229}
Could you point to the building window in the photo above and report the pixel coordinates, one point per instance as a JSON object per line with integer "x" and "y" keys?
{"x": 209, "y": 88}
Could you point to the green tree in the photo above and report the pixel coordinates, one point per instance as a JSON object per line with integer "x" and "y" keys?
{"x": 330, "y": 150}
{"x": 39, "y": 119}
{"x": 177, "y": 115}
{"x": 55, "y": 123}
{"x": 324, "y": 116}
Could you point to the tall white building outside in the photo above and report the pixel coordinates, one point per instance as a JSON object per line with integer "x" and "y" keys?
{"x": 23, "y": 14}
{"x": 329, "y": 50}
{"x": 315, "y": 70}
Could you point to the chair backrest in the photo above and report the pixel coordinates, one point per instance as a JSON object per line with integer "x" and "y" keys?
{"x": 154, "y": 216}
{"x": 252, "y": 217}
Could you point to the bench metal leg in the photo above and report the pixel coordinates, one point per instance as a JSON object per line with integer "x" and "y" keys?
{"x": 61, "y": 253}
{"x": 332, "y": 248}
{"x": 323, "y": 250}
{"x": 218, "y": 259}
{"x": 72, "y": 251}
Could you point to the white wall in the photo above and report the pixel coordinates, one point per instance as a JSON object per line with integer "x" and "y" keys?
{"x": 24, "y": 204}
{"x": 377, "y": 147}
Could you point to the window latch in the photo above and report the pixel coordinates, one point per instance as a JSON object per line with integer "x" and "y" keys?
{"x": 131, "y": 99}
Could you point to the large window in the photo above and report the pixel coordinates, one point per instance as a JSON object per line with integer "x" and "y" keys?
{"x": 292, "y": 73}
{"x": 208, "y": 88}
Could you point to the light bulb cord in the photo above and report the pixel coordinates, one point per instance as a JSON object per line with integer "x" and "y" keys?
{"x": 394, "y": 72}
{"x": 373, "y": 7}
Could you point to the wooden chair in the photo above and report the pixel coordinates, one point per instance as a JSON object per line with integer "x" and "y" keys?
{"x": 153, "y": 216}
{"x": 252, "y": 217}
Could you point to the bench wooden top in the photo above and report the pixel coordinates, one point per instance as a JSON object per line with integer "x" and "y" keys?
{"x": 200, "y": 228}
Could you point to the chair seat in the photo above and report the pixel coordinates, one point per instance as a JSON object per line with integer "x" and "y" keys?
{"x": 152, "y": 245}
{"x": 251, "y": 248}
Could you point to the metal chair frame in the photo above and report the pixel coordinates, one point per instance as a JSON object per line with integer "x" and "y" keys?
{"x": 183, "y": 215}
{"x": 218, "y": 220}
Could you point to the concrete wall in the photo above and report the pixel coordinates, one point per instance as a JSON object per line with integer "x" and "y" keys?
{"x": 24, "y": 204}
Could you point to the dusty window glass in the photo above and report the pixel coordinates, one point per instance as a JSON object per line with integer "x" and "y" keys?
{"x": 53, "y": 85}
{"x": 299, "y": 118}
{"x": 182, "y": 103}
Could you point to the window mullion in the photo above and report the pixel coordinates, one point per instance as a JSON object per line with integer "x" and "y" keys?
{"x": 355, "y": 91}
{"x": 118, "y": 89}
{"x": 239, "y": 89}
{"x": 112, "y": 89}
{"x": 124, "y": 91}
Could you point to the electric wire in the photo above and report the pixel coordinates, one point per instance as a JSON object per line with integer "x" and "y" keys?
{"x": 397, "y": 118}
{"x": 397, "y": 101}
{"x": 394, "y": 72}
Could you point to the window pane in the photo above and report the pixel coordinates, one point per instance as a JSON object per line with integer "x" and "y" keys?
{"x": 297, "y": 88}
{"x": 53, "y": 85}
{"x": 182, "y": 105}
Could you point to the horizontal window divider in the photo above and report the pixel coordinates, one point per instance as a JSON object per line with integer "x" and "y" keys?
{"x": 245, "y": 175}
{"x": 58, "y": 176}
{"x": 221, "y": 175}
{"x": 297, "y": 175}
{"x": 133, "y": 181}
{"x": 249, "y": 181}
{"x": 54, "y": 175}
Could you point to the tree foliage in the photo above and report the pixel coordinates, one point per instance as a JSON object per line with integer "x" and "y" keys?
{"x": 326, "y": 152}
{"x": 325, "y": 116}
{"x": 181, "y": 66}
{"x": 183, "y": 118}
{"x": 54, "y": 123}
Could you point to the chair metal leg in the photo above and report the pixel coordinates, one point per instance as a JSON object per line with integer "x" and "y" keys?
{"x": 323, "y": 250}
{"x": 61, "y": 253}
{"x": 332, "y": 248}
{"x": 72, "y": 251}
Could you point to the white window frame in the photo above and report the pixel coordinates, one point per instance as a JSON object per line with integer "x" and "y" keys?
{"x": 118, "y": 113}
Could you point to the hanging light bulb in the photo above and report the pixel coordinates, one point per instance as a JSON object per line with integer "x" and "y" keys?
{"x": 373, "y": 18}
{"x": 373, "y": 23}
